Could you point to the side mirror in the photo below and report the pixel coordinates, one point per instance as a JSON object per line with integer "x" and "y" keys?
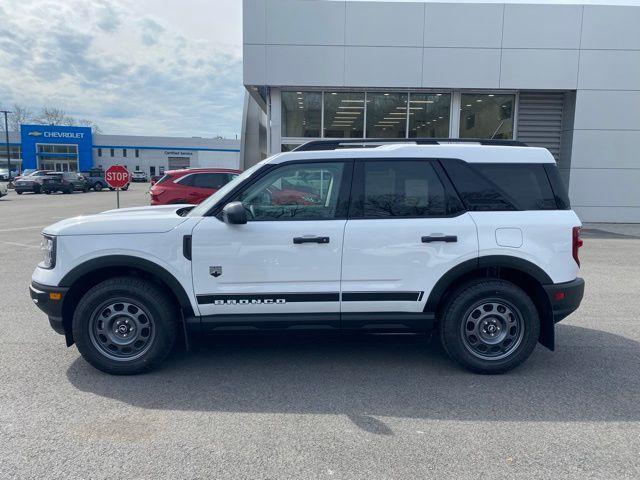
{"x": 234, "y": 213}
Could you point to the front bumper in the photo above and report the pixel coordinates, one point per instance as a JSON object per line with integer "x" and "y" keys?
{"x": 565, "y": 298}
{"x": 49, "y": 300}
{"x": 26, "y": 188}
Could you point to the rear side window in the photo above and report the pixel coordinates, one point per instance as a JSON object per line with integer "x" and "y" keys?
{"x": 397, "y": 188}
{"x": 499, "y": 186}
{"x": 210, "y": 180}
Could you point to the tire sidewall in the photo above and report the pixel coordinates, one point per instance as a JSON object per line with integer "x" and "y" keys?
{"x": 457, "y": 309}
{"x": 161, "y": 312}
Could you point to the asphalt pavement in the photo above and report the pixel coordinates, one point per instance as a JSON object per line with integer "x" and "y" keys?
{"x": 309, "y": 407}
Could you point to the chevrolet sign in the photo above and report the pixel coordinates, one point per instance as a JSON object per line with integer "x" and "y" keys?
{"x": 63, "y": 135}
{"x": 35, "y": 133}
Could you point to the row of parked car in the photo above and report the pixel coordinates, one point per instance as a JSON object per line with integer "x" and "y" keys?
{"x": 46, "y": 181}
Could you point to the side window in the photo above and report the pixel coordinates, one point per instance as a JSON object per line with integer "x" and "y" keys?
{"x": 398, "y": 188}
{"x": 500, "y": 186}
{"x": 526, "y": 184}
{"x": 301, "y": 191}
{"x": 477, "y": 192}
{"x": 209, "y": 180}
{"x": 186, "y": 181}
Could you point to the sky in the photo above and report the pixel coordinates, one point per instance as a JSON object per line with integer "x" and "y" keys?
{"x": 140, "y": 67}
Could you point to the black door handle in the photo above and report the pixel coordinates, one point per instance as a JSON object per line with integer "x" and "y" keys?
{"x": 444, "y": 238}
{"x": 298, "y": 240}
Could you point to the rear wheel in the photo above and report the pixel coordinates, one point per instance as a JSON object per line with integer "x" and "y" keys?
{"x": 97, "y": 187}
{"x": 18, "y": 192}
{"x": 489, "y": 326}
{"x": 125, "y": 326}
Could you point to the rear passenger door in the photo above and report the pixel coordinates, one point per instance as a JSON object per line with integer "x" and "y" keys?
{"x": 406, "y": 229}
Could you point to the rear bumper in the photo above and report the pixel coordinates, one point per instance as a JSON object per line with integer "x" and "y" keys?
{"x": 49, "y": 300}
{"x": 565, "y": 298}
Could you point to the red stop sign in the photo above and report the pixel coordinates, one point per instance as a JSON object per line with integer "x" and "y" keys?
{"x": 116, "y": 176}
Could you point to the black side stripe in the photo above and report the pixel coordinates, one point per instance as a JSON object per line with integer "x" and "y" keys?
{"x": 381, "y": 296}
{"x": 314, "y": 297}
{"x": 287, "y": 297}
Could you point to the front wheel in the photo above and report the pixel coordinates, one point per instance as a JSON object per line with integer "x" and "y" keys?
{"x": 97, "y": 187}
{"x": 489, "y": 326}
{"x": 125, "y": 326}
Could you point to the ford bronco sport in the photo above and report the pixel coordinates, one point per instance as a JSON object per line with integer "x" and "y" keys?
{"x": 473, "y": 240}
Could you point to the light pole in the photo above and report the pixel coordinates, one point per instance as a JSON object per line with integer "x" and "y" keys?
{"x": 6, "y": 137}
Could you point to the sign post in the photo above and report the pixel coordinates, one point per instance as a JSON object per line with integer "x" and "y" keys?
{"x": 117, "y": 177}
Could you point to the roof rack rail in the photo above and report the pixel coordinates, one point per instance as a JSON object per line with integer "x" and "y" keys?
{"x": 334, "y": 144}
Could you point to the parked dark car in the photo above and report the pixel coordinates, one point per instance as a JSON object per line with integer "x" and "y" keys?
{"x": 65, "y": 182}
{"x": 95, "y": 178}
{"x": 31, "y": 183}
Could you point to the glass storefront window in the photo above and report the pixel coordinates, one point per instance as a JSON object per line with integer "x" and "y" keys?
{"x": 429, "y": 115}
{"x": 301, "y": 114}
{"x": 386, "y": 115}
{"x": 343, "y": 115}
{"x": 486, "y": 116}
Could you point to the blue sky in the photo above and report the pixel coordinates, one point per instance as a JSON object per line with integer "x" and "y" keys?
{"x": 145, "y": 67}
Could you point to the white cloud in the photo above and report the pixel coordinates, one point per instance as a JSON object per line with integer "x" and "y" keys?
{"x": 129, "y": 68}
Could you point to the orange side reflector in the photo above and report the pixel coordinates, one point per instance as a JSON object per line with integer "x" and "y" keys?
{"x": 55, "y": 296}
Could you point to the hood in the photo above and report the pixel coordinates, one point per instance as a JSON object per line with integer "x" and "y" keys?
{"x": 122, "y": 221}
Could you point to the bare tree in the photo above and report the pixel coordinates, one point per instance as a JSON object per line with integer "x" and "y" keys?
{"x": 52, "y": 116}
{"x": 48, "y": 116}
{"x": 95, "y": 128}
{"x": 17, "y": 117}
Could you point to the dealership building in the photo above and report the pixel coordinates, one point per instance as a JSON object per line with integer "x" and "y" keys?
{"x": 64, "y": 149}
{"x": 561, "y": 75}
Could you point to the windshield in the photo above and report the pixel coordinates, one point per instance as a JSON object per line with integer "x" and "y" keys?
{"x": 205, "y": 206}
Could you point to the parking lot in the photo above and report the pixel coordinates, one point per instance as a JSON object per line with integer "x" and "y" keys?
{"x": 318, "y": 407}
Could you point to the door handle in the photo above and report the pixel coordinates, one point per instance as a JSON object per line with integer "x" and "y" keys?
{"x": 440, "y": 238}
{"x": 299, "y": 240}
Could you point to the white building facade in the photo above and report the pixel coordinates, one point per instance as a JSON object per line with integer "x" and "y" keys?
{"x": 564, "y": 76}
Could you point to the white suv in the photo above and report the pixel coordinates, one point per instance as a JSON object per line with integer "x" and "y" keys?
{"x": 474, "y": 241}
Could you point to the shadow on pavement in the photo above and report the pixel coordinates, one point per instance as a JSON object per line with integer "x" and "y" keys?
{"x": 592, "y": 376}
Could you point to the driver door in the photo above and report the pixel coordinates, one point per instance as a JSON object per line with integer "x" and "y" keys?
{"x": 284, "y": 264}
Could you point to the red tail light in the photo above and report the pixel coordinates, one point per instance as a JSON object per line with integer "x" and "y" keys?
{"x": 577, "y": 243}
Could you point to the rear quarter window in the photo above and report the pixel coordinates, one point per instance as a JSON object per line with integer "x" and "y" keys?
{"x": 502, "y": 187}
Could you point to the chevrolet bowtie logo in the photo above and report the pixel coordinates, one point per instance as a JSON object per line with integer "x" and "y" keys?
{"x": 35, "y": 133}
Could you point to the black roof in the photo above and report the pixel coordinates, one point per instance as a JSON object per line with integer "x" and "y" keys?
{"x": 334, "y": 144}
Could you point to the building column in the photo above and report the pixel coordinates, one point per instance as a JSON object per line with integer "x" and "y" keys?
{"x": 275, "y": 121}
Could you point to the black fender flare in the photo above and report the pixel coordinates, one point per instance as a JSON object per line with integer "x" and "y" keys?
{"x": 516, "y": 263}
{"x": 496, "y": 261}
{"x": 130, "y": 261}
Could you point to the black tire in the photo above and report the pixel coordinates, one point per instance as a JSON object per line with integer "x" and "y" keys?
{"x": 48, "y": 192}
{"x": 489, "y": 326}
{"x": 19, "y": 193}
{"x": 153, "y": 311}
{"x": 126, "y": 187}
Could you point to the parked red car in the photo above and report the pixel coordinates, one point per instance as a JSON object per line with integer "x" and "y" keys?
{"x": 189, "y": 185}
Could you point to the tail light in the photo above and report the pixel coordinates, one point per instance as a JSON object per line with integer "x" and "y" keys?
{"x": 576, "y": 244}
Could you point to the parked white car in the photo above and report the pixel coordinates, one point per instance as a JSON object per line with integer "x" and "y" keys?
{"x": 473, "y": 241}
{"x": 3, "y": 189}
{"x": 139, "y": 176}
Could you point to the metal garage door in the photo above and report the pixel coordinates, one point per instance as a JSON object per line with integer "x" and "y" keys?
{"x": 540, "y": 120}
{"x": 177, "y": 163}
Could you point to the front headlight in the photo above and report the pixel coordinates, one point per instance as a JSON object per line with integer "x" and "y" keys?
{"x": 48, "y": 247}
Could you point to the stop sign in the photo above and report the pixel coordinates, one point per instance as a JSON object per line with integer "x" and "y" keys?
{"x": 116, "y": 176}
